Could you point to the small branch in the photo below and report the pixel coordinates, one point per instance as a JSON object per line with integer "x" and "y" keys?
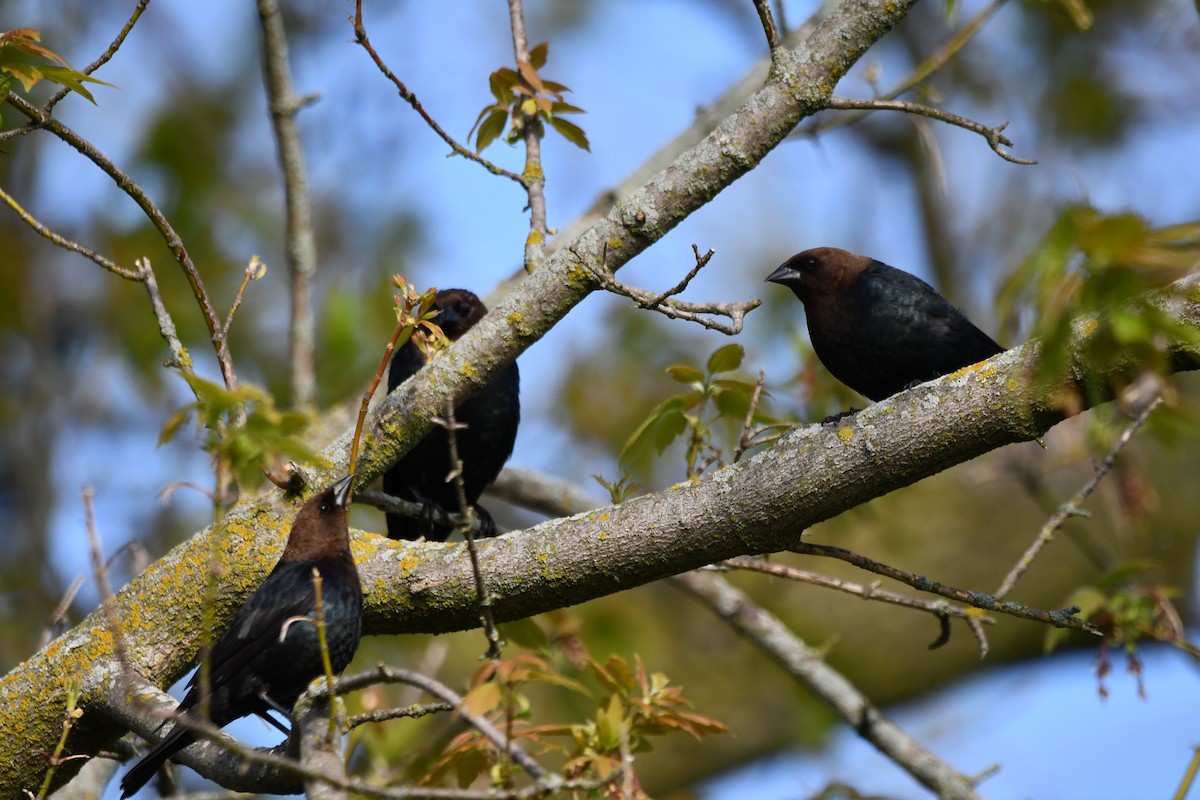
{"x": 300, "y": 243}
{"x": 104, "y": 57}
{"x": 763, "y": 7}
{"x": 1189, "y": 775}
{"x": 73, "y": 712}
{"x": 88, "y": 70}
{"x": 254, "y": 270}
{"x": 936, "y": 61}
{"x": 1073, "y": 507}
{"x": 157, "y": 219}
{"x": 65, "y": 243}
{"x": 470, "y": 523}
{"x": 323, "y": 642}
{"x": 1060, "y": 618}
{"x": 534, "y": 177}
{"x": 679, "y": 309}
{"x": 415, "y": 711}
{"x": 316, "y": 731}
{"x": 100, "y": 570}
{"x": 59, "y": 615}
{"x": 180, "y": 358}
{"x": 994, "y": 136}
{"x": 807, "y": 666}
{"x": 746, "y": 440}
{"x": 866, "y": 592}
{"x": 360, "y": 36}
{"x": 386, "y": 674}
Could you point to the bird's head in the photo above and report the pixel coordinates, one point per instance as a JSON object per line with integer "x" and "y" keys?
{"x": 820, "y": 272}
{"x": 320, "y": 528}
{"x": 460, "y": 309}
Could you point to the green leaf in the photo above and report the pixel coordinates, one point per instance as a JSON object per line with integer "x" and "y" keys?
{"x": 559, "y": 107}
{"x": 571, "y": 132}
{"x": 663, "y": 426}
{"x": 537, "y": 56}
{"x": 726, "y": 359}
{"x": 501, "y": 83}
{"x": 733, "y": 404}
{"x": 525, "y": 633}
{"x": 685, "y": 373}
{"x": 491, "y": 128}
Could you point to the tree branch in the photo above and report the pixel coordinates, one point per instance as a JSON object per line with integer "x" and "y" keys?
{"x": 301, "y": 245}
{"x": 995, "y": 136}
{"x": 808, "y": 667}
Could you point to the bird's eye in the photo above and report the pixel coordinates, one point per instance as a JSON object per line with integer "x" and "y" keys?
{"x": 326, "y": 507}
{"x": 808, "y": 264}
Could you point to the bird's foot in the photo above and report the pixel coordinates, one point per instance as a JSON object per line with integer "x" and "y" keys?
{"x": 832, "y": 418}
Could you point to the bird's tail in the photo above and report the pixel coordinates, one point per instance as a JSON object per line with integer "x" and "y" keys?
{"x": 141, "y": 772}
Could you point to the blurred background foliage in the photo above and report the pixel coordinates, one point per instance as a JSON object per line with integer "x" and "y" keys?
{"x": 1101, "y": 92}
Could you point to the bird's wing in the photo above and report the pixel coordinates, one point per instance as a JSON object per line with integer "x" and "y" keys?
{"x": 286, "y": 593}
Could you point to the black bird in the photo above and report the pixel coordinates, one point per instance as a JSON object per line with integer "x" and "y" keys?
{"x": 491, "y": 415}
{"x": 876, "y": 328}
{"x": 256, "y": 666}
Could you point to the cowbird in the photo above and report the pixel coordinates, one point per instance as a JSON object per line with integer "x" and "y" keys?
{"x": 270, "y": 653}
{"x": 491, "y": 416}
{"x": 876, "y": 328}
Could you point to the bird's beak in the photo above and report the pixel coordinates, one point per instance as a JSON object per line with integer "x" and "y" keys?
{"x": 782, "y": 275}
{"x": 341, "y": 490}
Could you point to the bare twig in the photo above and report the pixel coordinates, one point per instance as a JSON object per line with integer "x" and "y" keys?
{"x": 65, "y": 243}
{"x": 360, "y": 36}
{"x": 866, "y": 592}
{"x": 72, "y": 713}
{"x": 60, "y": 611}
{"x": 746, "y": 440}
{"x": 180, "y": 358}
{"x": 157, "y": 219}
{"x": 300, "y": 243}
{"x": 679, "y": 309}
{"x": 100, "y": 570}
{"x": 994, "y": 136}
{"x": 807, "y": 666}
{"x": 763, "y": 7}
{"x": 254, "y": 270}
{"x": 1073, "y": 507}
{"x": 1059, "y": 618}
{"x": 468, "y": 516}
{"x": 385, "y": 674}
{"x": 414, "y": 711}
{"x": 323, "y": 641}
{"x": 534, "y": 177}
{"x": 936, "y": 61}
{"x": 1189, "y": 775}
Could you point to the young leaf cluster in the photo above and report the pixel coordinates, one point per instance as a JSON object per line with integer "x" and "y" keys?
{"x": 242, "y": 428}
{"x": 528, "y": 99}
{"x": 1089, "y": 262}
{"x": 19, "y": 46}
{"x": 710, "y": 397}
{"x": 630, "y": 707}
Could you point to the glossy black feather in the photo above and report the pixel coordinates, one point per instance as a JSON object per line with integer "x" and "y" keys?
{"x": 251, "y": 660}
{"x": 876, "y": 328}
{"x": 491, "y": 415}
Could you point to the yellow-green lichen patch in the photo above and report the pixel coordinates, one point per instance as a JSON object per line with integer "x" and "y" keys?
{"x": 1088, "y": 326}
{"x": 1013, "y": 384}
{"x": 846, "y": 434}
